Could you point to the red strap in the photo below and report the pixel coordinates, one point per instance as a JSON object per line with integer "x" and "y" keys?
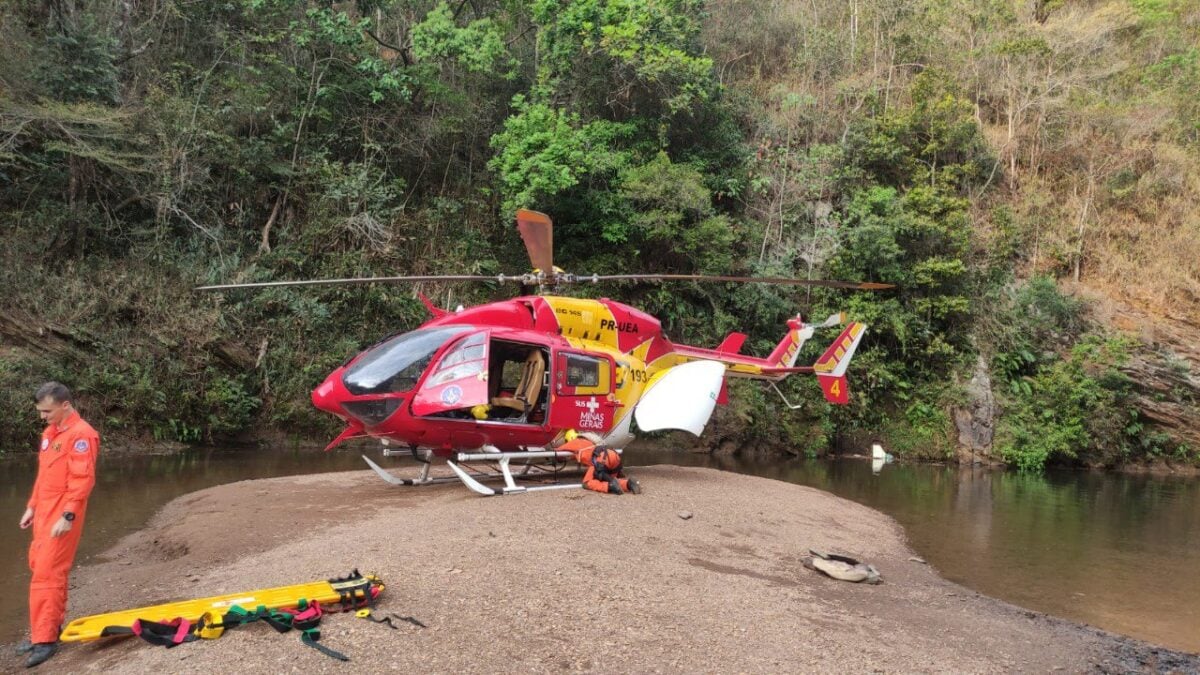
{"x": 313, "y": 612}
{"x": 184, "y": 627}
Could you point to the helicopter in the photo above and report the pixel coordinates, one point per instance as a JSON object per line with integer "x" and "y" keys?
{"x": 508, "y": 381}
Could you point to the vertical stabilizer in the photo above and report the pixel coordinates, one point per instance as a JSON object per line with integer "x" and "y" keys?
{"x": 785, "y": 353}
{"x": 831, "y": 367}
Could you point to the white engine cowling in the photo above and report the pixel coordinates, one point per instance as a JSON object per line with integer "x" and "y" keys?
{"x": 682, "y": 397}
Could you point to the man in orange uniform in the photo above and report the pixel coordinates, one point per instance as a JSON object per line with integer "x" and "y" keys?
{"x": 56, "y": 510}
{"x": 604, "y": 470}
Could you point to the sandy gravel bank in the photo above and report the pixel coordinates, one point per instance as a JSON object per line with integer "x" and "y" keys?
{"x": 573, "y": 581}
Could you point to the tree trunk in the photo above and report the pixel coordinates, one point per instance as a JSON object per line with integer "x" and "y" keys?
{"x": 1083, "y": 213}
{"x": 75, "y": 195}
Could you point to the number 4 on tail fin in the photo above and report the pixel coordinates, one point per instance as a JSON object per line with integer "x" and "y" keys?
{"x": 835, "y": 388}
{"x": 831, "y": 367}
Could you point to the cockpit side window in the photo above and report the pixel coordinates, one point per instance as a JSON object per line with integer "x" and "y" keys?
{"x": 582, "y": 371}
{"x": 463, "y": 360}
{"x": 396, "y": 364}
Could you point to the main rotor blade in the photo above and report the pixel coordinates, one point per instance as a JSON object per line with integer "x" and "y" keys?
{"x": 363, "y": 280}
{"x": 537, "y": 231}
{"x": 785, "y": 281}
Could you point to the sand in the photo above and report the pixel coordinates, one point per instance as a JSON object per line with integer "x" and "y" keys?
{"x": 572, "y": 581}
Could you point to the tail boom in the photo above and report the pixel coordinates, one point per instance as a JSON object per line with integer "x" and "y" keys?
{"x": 830, "y": 368}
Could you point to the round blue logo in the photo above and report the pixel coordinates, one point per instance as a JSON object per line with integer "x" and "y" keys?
{"x": 452, "y": 394}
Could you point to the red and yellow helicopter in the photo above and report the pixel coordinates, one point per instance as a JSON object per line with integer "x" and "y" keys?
{"x": 506, "y": 381}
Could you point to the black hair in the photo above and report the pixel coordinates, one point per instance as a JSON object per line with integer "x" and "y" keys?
{"x": 56, "y": 391}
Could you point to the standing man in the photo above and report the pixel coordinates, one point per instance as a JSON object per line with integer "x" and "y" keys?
{"x": 66, "y": 474}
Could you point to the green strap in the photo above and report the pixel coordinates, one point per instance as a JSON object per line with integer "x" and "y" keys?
{"x": 282, "y": 622}
{"x": 310, "y": 637}
{"x": 238, "y": 616}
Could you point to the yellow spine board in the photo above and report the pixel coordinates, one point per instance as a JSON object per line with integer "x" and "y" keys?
{"x": 90, "y": 627}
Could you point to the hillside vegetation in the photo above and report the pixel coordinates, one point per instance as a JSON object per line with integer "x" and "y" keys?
{"x": 1013, "y": 166}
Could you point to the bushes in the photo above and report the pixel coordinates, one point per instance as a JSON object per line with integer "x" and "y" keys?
{"x": 1075, "y": 408}
{"x": 20, "y": 374}
{"x": 1062, "y": 396}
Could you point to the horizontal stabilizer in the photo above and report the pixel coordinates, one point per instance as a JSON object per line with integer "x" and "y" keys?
{"x": 732, "y": 344}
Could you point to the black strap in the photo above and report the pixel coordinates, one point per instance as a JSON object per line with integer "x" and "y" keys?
{"x": 310, "y": 637}
{"x": 411, "y": 619}
{"x": 388, "y": 620}
{"x": 163, "y": 634}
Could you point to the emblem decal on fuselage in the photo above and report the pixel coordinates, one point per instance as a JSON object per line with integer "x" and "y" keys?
{"x": 590, "y": 418}
{"x": 452, "y": 394}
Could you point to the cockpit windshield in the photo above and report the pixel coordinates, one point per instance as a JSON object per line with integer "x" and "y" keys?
{"x": 396, "y": 364}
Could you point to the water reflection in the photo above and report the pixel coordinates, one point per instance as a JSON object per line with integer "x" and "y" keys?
{"x": 1115, "y": 551}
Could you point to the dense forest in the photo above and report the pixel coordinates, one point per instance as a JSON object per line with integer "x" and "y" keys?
{"x": 1027, "y": 172}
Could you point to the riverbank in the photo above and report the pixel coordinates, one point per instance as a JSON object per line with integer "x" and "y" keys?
{"x": 574, "y": 581}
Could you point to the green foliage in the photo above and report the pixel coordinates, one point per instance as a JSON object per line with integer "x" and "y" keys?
{"x": 479, "y": 46}
{"x": 1062, "y": 395}
{"x": 1071, "y": 406}
{"x": 20, "y": 374}
{"x": 80, "y": 63}
{"x": 543, "y": 152}
{"x": 229, "y": 403}
{"x": 671, "y": 212}
{"x": 656, "y": 41}
{"x": 1026, "y": 325}
{"x": 917, "y": 241}
{"x": 1178, "y": 75}
{"x": 623, "y": 56}
{"x": 1155, "y": 11}
{"x": 144, "y": 150}
{"x": 923, "y": 429}
{"x": 752, "y": 419}
{"x": 936, "y": 141}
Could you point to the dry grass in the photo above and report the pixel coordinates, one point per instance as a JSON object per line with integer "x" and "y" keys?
{"x": 1089, "y": 165}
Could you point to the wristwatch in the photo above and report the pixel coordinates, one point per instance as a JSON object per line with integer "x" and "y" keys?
{"x": 68, "y": 516}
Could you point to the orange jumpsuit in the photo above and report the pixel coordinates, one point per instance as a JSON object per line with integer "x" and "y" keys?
{"x": 66, "y": 474}
{"x": 599, "y": 472}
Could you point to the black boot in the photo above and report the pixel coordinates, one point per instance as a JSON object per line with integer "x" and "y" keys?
{"x": 24, "y": 647}
{"x": 634, "y": 486}
{"x": 41, "y": 652}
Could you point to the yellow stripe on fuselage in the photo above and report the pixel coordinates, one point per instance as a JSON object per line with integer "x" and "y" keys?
{"x": 584, "y": 319}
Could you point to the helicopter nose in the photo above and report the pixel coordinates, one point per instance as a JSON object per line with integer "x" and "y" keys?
{"x": 330, "y": 394}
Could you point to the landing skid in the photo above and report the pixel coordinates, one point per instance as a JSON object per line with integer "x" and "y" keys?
{"x": 474, "y": 479}
{"x": 422, "y": 479}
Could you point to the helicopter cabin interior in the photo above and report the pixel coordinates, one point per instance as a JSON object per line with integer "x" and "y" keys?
{"x": 485, "y": 378}
{"x": 519, "y": 380}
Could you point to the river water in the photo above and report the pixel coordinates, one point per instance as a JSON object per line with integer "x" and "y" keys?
{"x": 1116, "y": 551}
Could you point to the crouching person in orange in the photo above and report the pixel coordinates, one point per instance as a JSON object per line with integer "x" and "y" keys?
{"x": 604, "y": 470}
{"x": 56, "y": 510}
